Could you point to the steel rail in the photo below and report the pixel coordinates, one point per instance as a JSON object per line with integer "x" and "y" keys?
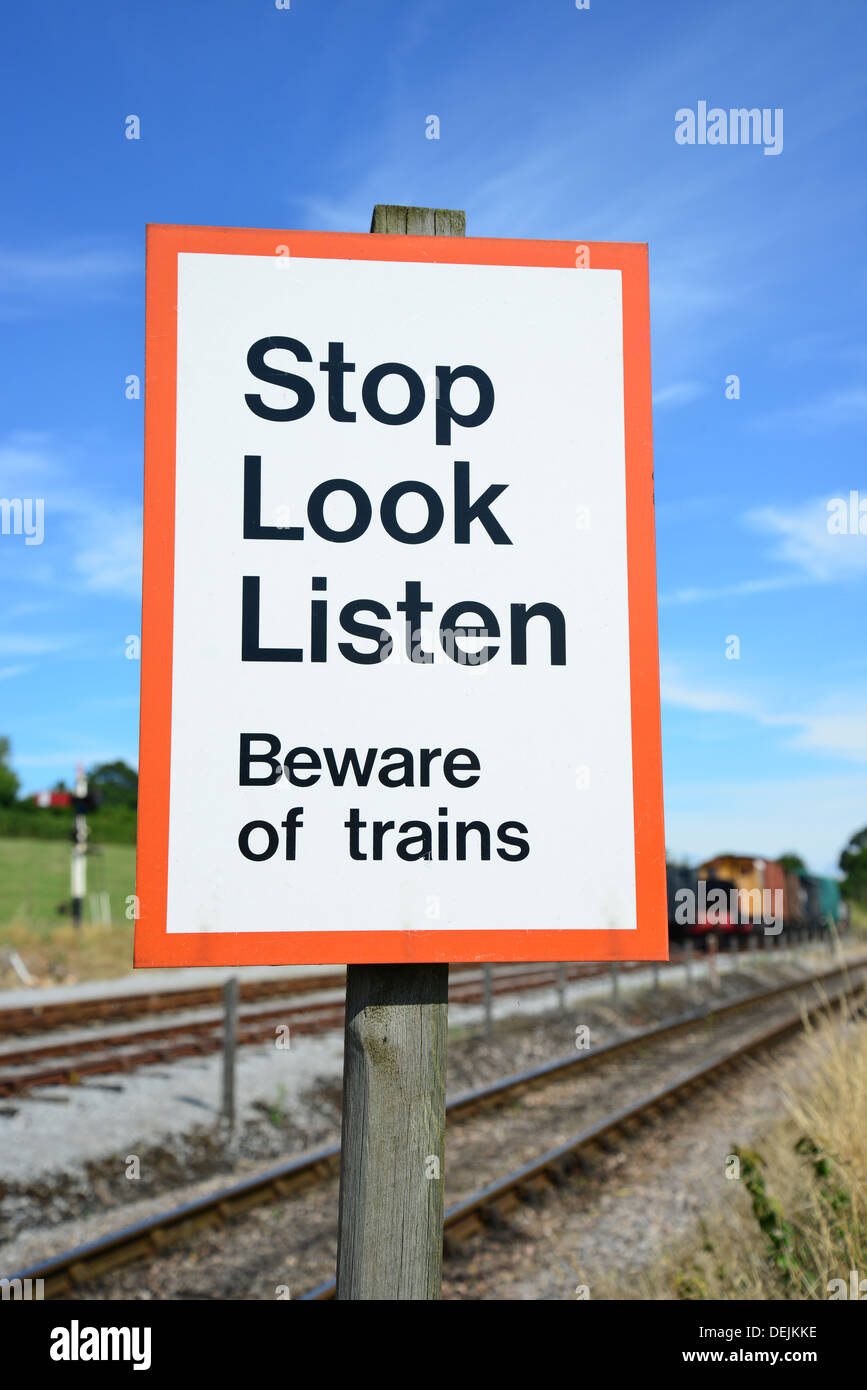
{"x": 36, "y": 1017}
{"x": 62, "y": 1273}
{"x": 197, "y": 1037}
{"x": 470, "y": 1215}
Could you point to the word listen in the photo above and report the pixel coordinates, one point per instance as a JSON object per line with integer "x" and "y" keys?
{"x": 470, "y": 513}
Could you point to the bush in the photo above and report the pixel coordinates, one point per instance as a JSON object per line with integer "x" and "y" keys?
{"x": 111, "y": 825}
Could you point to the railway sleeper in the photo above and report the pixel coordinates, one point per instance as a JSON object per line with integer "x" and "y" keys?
{"x": 246, "y": 1201}
{"x": 532, "y": 1189}
{"x": 461, "y": 1231}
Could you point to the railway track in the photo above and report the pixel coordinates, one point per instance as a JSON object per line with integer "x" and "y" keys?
{"x": 494, "y": 1201}
{"x": 42, "y": 1018}
{"x": 146, "y": 1239}
{"x": 65, "y": 1061}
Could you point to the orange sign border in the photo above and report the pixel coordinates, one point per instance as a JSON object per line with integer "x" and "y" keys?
{"x": 153, "y": 945}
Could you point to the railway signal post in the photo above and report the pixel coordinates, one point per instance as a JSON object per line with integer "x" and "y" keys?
{"x": 78, "y": 860}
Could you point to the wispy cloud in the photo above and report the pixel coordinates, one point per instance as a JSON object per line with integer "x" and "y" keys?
{"x": 699, "y": 594}
{"x": 804, "y": 541}
{"x": 76, "y": 267}
{"x": 24, "y": 645}
{"x": 110, "y": 563}
{"x": 679, "y": 393}
{"x": 33, "y": 283}
{"x": 799, "y": 539}
{"x": 838, "y": 728}
{"x": 847, "y": 407}
{"x": 96, "y": 543}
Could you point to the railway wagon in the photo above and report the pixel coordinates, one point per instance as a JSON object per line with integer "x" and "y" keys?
{"x": 692, "y": 896}
{"x": 757, "y": 881}
{"x": 823, "y": 906}
{"x": 796, "y": 900}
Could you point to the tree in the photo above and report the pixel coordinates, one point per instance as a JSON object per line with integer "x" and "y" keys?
{"x": 853, "y": 862}
{"x": 792, "y": 863}
{"x": 9, "y": 782}
{"x": 115, "y": 784}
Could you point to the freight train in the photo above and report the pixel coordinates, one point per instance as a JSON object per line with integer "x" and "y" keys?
{"x": 741, "y": 895}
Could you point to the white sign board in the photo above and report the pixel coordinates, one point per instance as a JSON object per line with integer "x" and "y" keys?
{"x": 391, "y": 642}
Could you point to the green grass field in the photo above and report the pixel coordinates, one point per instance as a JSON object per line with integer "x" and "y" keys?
{"x": 34, "y": 881}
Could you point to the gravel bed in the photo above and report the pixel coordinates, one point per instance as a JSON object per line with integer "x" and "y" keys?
{"x": 294, "y": 1242}
{"x": 64, "y": 1153}
{"x": 614, "y": 1218}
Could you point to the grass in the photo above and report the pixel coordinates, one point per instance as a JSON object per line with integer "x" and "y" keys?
{"x": 794, "y": 1219}
{"x": 34, "y": 882}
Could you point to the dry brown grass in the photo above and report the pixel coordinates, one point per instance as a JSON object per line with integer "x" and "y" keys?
{"x": 796, "y": 1217}
{"x": 65, "y": 954}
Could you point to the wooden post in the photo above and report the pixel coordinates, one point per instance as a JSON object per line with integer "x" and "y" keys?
{"x": 393, "y": 1139}
{"x": 561, "y": 988}
{"x": 488, "y": 991}
{"x": 230, "y": 1040}
{"x": 712, "y": 962}
{"x": 394, "y": 1070}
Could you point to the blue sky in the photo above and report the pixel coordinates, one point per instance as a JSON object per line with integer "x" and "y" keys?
{"x": 554, "y": 122}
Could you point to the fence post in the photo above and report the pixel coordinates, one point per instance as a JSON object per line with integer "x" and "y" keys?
{"x": 712, "y": 962}
{"x": 487, "y": 975}
{"x": 390, "y": 1221}
{"x": 230, "y": 1042}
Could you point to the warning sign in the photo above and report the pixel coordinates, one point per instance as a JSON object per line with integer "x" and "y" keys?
{"x": 399, "y": 652}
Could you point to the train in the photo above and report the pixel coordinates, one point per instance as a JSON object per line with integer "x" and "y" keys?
{"x": 743, "y": 895}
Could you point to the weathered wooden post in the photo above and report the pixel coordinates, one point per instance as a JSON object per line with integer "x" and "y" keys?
{"x": 394, "y": 1070}
{"x": 712, "y": 962}
{"x": 230, "y": 1040}
{"x": 487, "y": 994}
